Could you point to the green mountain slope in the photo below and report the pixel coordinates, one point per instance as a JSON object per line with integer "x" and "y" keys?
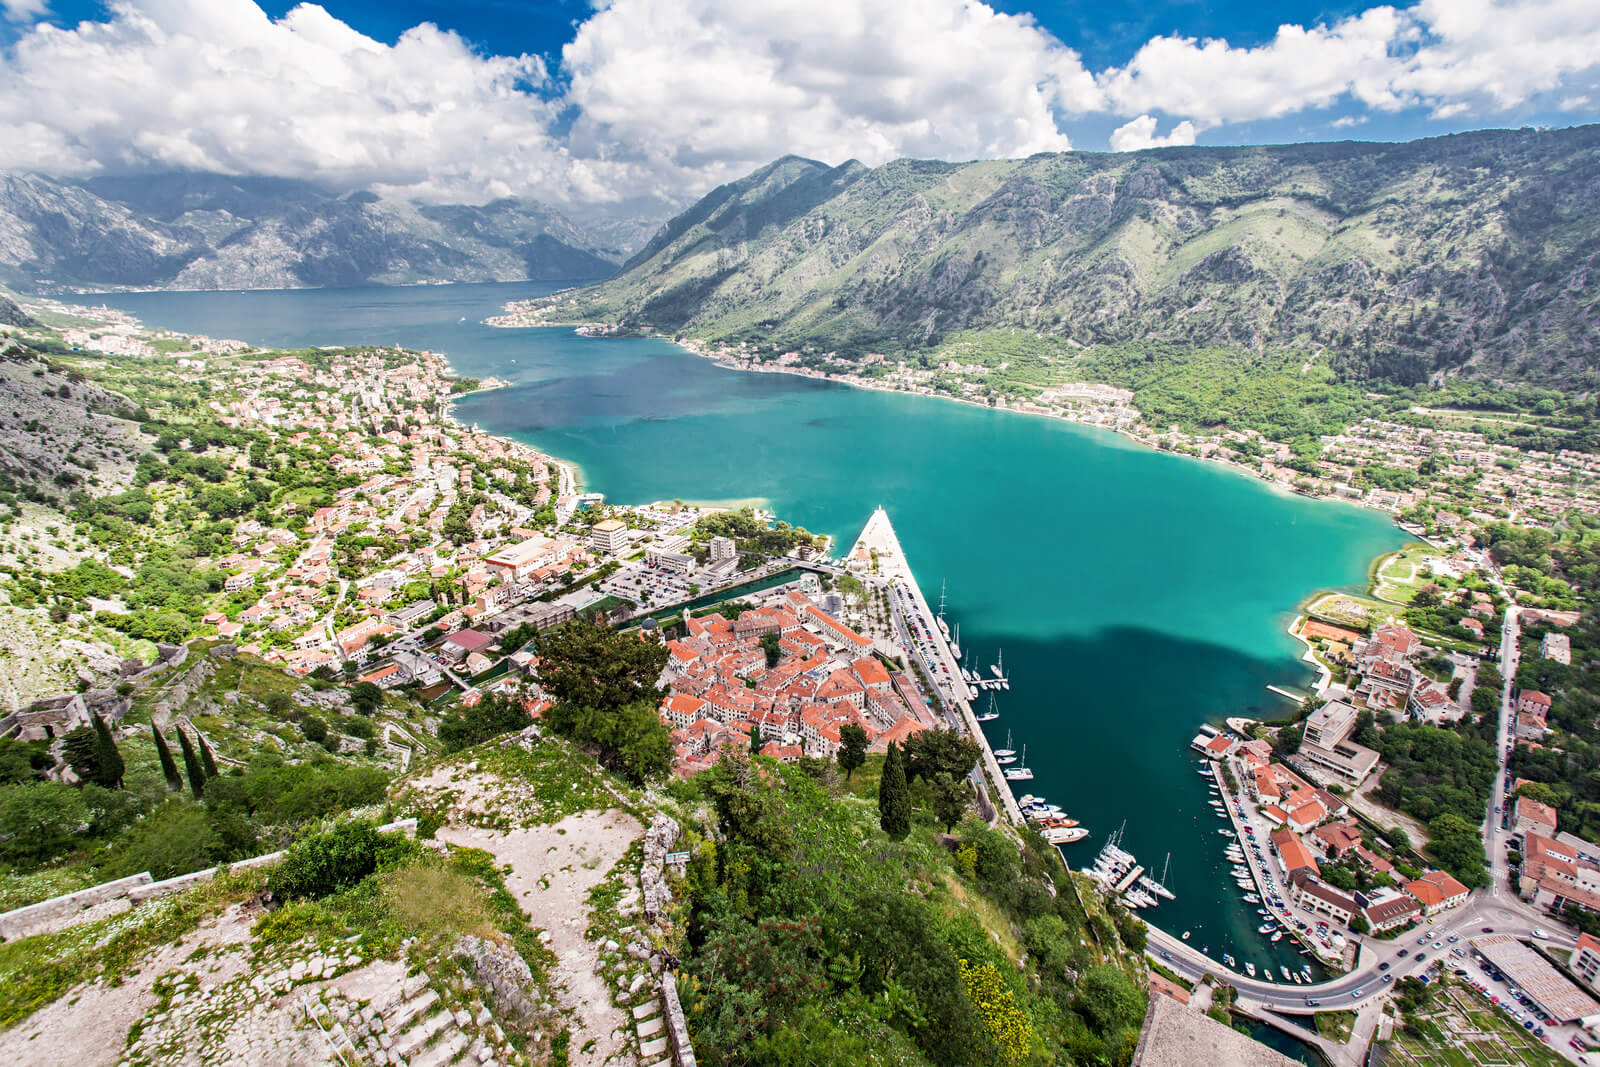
{"x": 1476, "y": 252}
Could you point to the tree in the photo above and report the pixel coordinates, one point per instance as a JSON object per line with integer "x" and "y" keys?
{"x": 931, "y": 753}
{"x": 191, "y": 766}
{"x": 490, "y": 717}
{"x": 1108, "y": 999}
{"x": 604, "y": 685}
{"x": 169, "y": 769}
{"x": 366, "y": 697}
{"x": 949, "y": 800}
{"x": 894, "y": 796}
{"x": 1289, "y": 739}
{"x": 81, "y": 749}
{"x": 314, "y": 729}
{"x": 771, "y": 645}
{"x": 38, "y": 820}
{"x": 110, "y": 760}
{"x": 1458, "y": 848}
{"x": 1485, "y": 701}
{"x": 1358, "y": 923}
{"x": 852, "y": 748}
{"x": 208, "y": 762}
{"x": 755, "y": 739}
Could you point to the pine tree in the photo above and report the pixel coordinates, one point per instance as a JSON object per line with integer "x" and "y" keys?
{"x": 111, "y": 765}
{"x": 168, "y": 768}
{"x": 191, "y": 766}
{"x": 208, "y": 762}
{"x": 894, "y": 796}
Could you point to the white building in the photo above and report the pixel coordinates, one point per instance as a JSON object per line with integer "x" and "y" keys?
{"x": 610, "y": 536}
{"x": 723, "y": 548}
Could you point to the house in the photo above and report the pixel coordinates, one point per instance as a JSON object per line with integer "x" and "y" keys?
{"x": 1557, "y": 647}
{"x": 1436, "y": 891}
{"x": 1317, "y": 896}
{"x": 463, "y": 643}
{"x": 1388, "y": 909}
{"x": 1533, "y": 815}
{"x": 1294, "y": 858}
{"x": 1337, "y": 838}
{"x": 1306, "y": 816}
{"x": 1531, "y": 700}
{"x": 1585, "y": 961}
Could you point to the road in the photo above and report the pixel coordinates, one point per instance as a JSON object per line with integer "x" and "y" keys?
{"x": 1493, "y": 836}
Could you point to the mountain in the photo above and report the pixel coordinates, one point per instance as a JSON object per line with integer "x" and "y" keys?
{"x": 208, "y": 231}
{"x": 1475, "y": 253}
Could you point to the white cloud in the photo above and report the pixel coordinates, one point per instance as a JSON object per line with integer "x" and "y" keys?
{"x": 717, "y": 86}
{"x": 667, "y": 97}
{"x": 23, "y": 10}
{"x": 1141, "y": 133}
{"x": 217, "y": 85}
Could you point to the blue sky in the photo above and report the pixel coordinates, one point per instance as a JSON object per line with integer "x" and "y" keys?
{"x": 640, "y": 101}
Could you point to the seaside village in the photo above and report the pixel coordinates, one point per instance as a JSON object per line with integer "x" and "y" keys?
{"x": 444, "y": 550}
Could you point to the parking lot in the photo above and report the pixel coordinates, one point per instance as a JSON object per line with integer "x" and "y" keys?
{"x": 1498, "y": 994}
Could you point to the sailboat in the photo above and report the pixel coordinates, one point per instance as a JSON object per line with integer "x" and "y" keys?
{"x": 955, "y": 643}
{"x": 1019, "y": 773}
{"x": 1007, "y": 754}
{"x": 999, "y": 666}
{"x": 944, "y": 627}
{"x": 988, "y": 714}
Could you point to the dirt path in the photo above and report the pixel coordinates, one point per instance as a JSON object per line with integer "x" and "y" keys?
{"x": 552, "y": 870}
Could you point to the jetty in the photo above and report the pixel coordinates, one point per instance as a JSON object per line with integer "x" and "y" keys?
{"x": 877, "y": 552}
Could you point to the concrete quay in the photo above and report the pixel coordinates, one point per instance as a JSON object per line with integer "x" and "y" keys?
{"x": 879, "y": 543}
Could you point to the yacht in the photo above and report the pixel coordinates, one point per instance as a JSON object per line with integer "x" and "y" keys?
{"x": 955, "y": 643}
{"x": 1007, "y": 754}
{"x": 988, "y": 714}
{"x": 1065, "y": 835}
{"x": 1285, "y": 971}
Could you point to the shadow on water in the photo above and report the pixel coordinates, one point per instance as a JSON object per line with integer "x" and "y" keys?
{"x": 1107, "y": 721}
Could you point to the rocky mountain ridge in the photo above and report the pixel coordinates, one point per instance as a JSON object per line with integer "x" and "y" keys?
{"x": 206, "y": 231}
{"x": 1476, "y": 253}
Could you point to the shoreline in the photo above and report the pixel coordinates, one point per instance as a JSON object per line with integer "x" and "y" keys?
{"x": 694, "y": 347}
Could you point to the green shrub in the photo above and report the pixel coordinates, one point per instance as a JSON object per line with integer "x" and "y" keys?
{"x": 335, "y": 859}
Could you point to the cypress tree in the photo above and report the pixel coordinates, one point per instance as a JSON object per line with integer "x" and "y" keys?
{"x": 755, "y": 740}
{"x": 111, "y": 765}
{"x": 80, "y": 747}
{"x": 894, "y": 796}
{"x": 191, "y": 766}
{"x": 207, "y": 762}
{"x": 168, "y": 768}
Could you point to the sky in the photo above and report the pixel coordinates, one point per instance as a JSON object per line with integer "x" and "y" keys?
{"x": 613, "y": 104}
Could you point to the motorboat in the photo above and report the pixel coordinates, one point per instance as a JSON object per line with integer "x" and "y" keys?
{"x": 1278, "y": 936}
{"x": 1285, "y": 971}
{"x": 1065, "y": 835}
{"x": 1264, "y": 928}
{"x": 1250, "y": 969}
{"x": 1186, "y": 934}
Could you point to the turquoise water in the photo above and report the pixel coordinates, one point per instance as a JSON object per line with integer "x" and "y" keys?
{"x": 1135, "y": 594}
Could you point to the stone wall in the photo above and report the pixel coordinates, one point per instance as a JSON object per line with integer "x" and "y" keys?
{"x": 677, "y": 1025}
{"x": 63, "y": 911}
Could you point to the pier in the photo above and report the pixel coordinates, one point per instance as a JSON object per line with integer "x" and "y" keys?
{"x": 878, "y": 551}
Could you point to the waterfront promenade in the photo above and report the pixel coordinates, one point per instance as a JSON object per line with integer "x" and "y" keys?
{"x": 879, "y": 545}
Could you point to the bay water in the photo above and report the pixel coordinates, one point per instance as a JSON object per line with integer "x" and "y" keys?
{"x": 1133, "y": 594}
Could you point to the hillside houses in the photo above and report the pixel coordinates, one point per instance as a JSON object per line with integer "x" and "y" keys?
{"x": 720, "y": 687}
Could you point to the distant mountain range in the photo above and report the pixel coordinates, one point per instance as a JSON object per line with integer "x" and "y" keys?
{"x": 208, "y": 231}
{"x": 1477, "y": 252}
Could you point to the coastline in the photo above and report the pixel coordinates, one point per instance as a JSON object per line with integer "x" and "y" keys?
{"x": 695, "y": 348}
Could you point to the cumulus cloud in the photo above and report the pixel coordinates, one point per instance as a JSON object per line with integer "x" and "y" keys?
{"x": 718, "y": 85}
{"x": 217, "y": 85}
{"x": 664, "y": 98}
{"x": 23, "y": 10}
{"x": 1141, "y": 133}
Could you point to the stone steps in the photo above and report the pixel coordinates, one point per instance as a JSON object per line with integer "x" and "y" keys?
{"x": 651, "y": 1049}
{"x": 408, "y": 1043}
{"x": 444, "y": 1052}
{"x": 409, "y": 1011}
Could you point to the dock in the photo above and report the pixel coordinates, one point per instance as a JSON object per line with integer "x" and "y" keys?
{"x": 878, "y": 552}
